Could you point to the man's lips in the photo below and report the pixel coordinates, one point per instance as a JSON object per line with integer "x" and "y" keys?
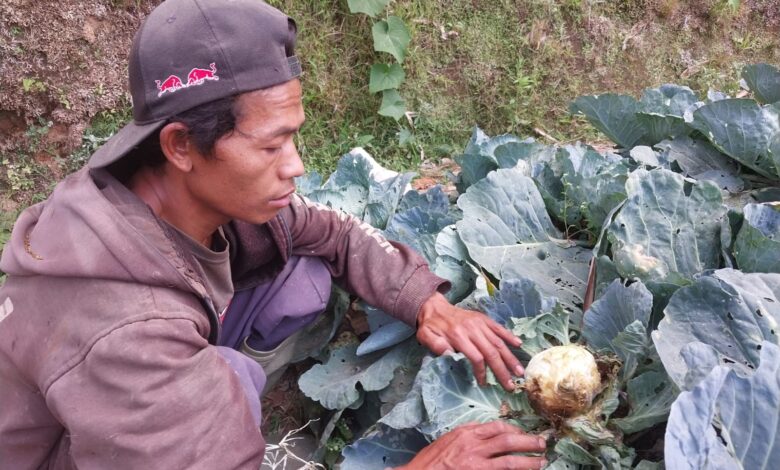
{"x": 283, "y": 200}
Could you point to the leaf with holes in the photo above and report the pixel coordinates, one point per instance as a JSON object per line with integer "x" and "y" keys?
{"x": 730, "y": 312}
{"x": 728, "y": 420}
{"x": 757, "y": 248}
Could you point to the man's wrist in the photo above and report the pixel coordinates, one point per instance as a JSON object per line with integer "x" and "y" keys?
{"x": 430, "y": 306}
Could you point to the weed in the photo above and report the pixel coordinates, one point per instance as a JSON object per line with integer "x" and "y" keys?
{"x": 6, "y": 224}
{"x": 337, "y": 441}
{"x": 104, "y": 125}
{"x": 33, "y": 85}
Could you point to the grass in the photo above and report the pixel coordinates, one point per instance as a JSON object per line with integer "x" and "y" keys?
{"x": 503, "y": 65}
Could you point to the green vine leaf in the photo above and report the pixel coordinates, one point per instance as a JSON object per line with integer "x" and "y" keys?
{"x": 369, "y": 7}
{"x": 392, "y": 104}
{"x": 385, "y": 77}
{"x": 391, "y": 36}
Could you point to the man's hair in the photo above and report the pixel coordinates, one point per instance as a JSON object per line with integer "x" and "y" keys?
{"x": 206, "y": 123}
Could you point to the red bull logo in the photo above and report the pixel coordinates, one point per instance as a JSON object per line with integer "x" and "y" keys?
{"x": 171, "y": 84}
{"x": 196, "y": 76}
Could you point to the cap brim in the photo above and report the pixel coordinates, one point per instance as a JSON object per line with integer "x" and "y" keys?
{"x": 122, "y": 142}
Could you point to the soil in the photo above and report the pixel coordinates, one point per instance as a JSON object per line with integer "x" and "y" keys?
{"x": 63, "y": 61}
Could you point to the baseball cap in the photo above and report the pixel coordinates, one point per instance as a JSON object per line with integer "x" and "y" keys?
{"x": 191, "y": 52}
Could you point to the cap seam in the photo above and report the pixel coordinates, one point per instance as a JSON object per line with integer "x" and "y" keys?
{"x": 147, "y": 110}
{"x": 219, "y": 44}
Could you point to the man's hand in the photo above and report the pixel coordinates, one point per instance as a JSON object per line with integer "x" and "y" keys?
{"x": 480, "y": 446}
{"x": 442, "y": 327}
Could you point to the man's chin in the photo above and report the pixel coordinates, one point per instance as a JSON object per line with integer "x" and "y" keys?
{"x": 258, "y": 219}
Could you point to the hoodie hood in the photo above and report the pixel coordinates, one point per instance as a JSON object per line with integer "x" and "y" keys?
{"x": 92, "y": 226}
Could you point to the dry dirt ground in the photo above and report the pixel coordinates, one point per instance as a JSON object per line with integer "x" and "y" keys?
{"x": 63, "y": 61}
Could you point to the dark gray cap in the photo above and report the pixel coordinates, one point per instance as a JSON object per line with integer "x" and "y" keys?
{"x": 190, "y": 52}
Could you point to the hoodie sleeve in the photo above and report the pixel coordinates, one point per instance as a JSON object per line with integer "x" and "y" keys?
{"x": 386, "y": 274}
{"x": 154, "y": 394}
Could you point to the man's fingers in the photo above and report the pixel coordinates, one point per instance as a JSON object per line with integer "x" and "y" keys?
{"x": 512, "y": 363}
{"x": 510, "y": 442}
{"x": 493, "y": 355}
{"x": 505, "y": 334}
{"x": 492, "y": 429}
{"x": 435, "y": 343}
{"x": 473, "y": 354}
{"x": 517, "y": 462}
{"x": 498, "y": 438}
{"x": 504, "y": 337}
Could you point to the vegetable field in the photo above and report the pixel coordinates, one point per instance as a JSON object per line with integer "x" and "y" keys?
{"x": 661, "y": 257}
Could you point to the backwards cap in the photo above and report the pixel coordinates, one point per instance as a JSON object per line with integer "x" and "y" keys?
{"x": 190, "y": 52}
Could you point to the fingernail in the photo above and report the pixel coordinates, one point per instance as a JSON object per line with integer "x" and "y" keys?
{"x": 543, "y": 464}
{"x": 511, "y": 384}
{"x": 519, "y": 370}
{"x": 542, "y": 443}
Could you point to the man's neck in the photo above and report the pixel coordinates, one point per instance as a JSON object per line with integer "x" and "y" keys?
{"x": 162, "y": 192}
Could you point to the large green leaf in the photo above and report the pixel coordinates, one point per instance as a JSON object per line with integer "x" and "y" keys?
{"x": 410, "y": 412}
{"x": 728, "y": 421}
{"x": 668, "y": 100}
{"x": 362, "y": 187}
{"x": 381, "y": 448}
{"x": 742, "y": 129}
{"x": 391, "y": 36}
{"x": 385, "y": 77}
{"x": 614, "y": 115}
{"x": 516, "y": 298}
{"x": 730, "y": 312}
{"x": 700, "y": 160}
{"x": 503, "y": 209}
{"x": 757, "y": 248}
{"x": 661, "y": 110}
{"x": 593, "y": 184}
{"x": 452, "y": 397}
{"x": 659, "y": 127}
{"x": 393, "y": 105}
{"x": 479, "y": 157}
{"x": 350, "y": 199}
{"x": 666, "y": 231}
{"x": 568, "y": 449}
{"x": 533, "y": 153}
{"x": 344, "y": 370}
{"x": 384, "y": 337}
{"x": 507, "y": 231}
{"x": 542, "y": 331}
{"x": 774, "y": 152}
{"x": 453, "y": 264}
{"x": 418, "y": 221}
{"x": 650, "y": 396}
{"x": 764, "y": 81}
{"x": 559, "y": 270}
{"x": 616, "y": 309}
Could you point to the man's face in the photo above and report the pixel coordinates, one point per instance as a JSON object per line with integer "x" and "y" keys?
{"x": 250, "y": 175}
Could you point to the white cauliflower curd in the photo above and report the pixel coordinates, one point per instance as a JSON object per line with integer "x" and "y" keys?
{"x": 562, "y": 381}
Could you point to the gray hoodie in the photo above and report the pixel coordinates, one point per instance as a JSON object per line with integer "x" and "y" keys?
{"x": 107, "y": 331}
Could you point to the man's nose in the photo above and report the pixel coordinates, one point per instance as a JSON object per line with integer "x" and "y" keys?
{"x": 293, "y": 165}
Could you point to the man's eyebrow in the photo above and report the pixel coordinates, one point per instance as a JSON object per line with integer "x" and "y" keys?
{"x": 286, "y": 130}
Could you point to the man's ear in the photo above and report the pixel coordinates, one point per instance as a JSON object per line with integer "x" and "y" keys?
{"x": 176, "y": 146}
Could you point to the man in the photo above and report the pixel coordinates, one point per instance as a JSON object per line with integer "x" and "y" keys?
{"x": 118, "y": 335}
